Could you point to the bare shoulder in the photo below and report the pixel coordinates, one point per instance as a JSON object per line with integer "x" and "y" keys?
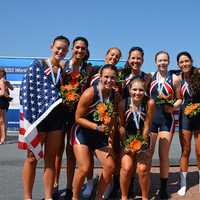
{"x": 198, "y": 69}
{"x": 88, "y": 93}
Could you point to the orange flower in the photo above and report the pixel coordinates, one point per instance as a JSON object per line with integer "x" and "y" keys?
{"x": 68, "y": 87}
{"x": 71, "y": 96}
{"x": 190, "y": 108}
{"x": 195, "y": 106}
{"x": 135, "y": 145}
{"x": 187, "y": 110}
{"x": 101, "y": 108}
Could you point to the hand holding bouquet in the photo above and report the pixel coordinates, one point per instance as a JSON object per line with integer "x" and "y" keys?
{"x": 103, "y": 114}
{"x": 164, "y": 99}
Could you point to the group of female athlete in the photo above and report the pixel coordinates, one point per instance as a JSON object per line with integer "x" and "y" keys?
{"x": 104, "y": 110}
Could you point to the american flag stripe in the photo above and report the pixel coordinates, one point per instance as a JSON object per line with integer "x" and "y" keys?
{"x": 22, "y": 131}
{"x": 31, "y": 138}
{"x": 21, "y": 116}
{"x": 22, "y": 145}
{"x": 47, "y": 71}
{"x": 36, "y": 140}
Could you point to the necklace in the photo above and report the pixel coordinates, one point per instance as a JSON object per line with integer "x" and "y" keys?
{"x": 106, "y": 100}
{"x": 136, "y": 116}
{"x": 161, "y": 82}
{"x": 72, "y": 66}
{"x": 55, "y": 81}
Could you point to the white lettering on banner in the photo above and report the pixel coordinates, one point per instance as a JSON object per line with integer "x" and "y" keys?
{"x": 14, "y": 104}
{"x": 21, "y": 70}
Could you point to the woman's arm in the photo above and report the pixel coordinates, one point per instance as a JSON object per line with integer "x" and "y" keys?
{"x": 177, "y": 87}
{"x": 83, "y": 108}
{"x": 148, "y": 118}
{"x": 85, "y": 101}
{"x": 121, "y": 108}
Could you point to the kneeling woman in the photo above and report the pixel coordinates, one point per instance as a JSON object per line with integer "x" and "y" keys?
{"x": 139, "y": 113}
{"x": 94, "y": 118}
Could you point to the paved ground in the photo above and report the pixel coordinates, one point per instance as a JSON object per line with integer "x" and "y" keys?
{"x": 11, "y": 161}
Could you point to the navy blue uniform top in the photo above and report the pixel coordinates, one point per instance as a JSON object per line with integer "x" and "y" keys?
{"x": 130, "y": 125}
{"x": 96, "y": 101}
{"x": 185, "y": 93}
{"x": 162, "y": 120}
{"x": 167, "y": 88}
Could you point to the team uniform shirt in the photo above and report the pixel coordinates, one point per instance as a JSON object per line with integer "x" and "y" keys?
{"x": 132, "y": 118}
{"x": 162, "y": 121}
{"x": 86, "y": 72}
{"x": 92, "y": 138}
{"x": 186, "y": 123}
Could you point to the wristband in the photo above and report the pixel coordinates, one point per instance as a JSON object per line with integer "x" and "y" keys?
{"x": 97, "y": 127}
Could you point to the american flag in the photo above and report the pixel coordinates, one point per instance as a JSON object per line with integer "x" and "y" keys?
{"x": 38, "y": 97}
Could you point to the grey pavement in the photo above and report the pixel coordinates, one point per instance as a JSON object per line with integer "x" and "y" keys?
{"x": 11, "y": 162}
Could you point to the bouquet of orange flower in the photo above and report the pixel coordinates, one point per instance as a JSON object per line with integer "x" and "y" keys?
{"x": 135, "y": 143}
{"x": 192, "y": 109}
{"x": 164, "y": 99}
{"x": 71, "y": 90}
{"x": 103, "y": 113}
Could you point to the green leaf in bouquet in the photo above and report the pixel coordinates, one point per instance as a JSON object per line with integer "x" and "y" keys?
{"x": 96, "y": 116}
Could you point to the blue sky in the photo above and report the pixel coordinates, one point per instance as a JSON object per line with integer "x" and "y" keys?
{"x": 28, "y": 27}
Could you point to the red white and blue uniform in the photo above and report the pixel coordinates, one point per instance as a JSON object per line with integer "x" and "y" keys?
{"x": 91, "y": 138}
{"x": 186, "y": 123}
{"x": 130, "y": 123}
{"x": 162, "y": 121}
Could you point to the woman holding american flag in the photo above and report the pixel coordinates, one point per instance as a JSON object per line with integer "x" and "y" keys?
{"x": 41, "y": 116}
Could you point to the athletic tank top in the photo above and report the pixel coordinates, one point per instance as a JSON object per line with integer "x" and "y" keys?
{"x": 165, "y": 88}
{"x": 130, "y": 123}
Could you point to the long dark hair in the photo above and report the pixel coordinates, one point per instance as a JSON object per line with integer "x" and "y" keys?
{"x": 194, "y": 79}
{"x": 194, "y": 85}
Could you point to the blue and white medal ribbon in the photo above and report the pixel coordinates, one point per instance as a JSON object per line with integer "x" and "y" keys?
{"x": 160, "y": 84}
{"x": 101, "y": 96}
{"x": 136, "y": 116}
{"x": 55, "y": 81}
